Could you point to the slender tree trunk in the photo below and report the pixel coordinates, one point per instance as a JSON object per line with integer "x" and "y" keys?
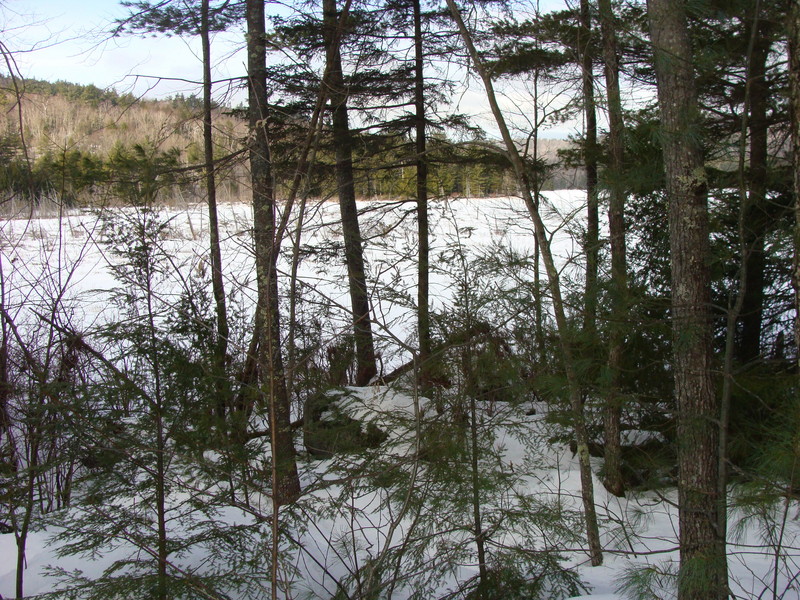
{"x": 567, "y": 351}
{"x": 286, "y": 483}
{"x": 702, "y": 551}
{"x": 738, "y": 294}
{"x": 536, "y": 185}
{"x": 161, "y": 504}
{"x": 21, "y": 532}
{"x": 423, "y": 266}
{"x": 160, "y": 474}
{"x": 365, "y": 349}
{"x": 293, "y": 281}
{"x": 6, "y": 433}
{"x": 480, "y": 534}
{"x": 794, "y": 91}
{"x": 470, "y": 385}
{"x": 590, "y": 153}
{"x": 217, "y": 283}
{"x": 538, "y": 312}
{"x": 619, "y": 277}
{"x": 756, "y": 221}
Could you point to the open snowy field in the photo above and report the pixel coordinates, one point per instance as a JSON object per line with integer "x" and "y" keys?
{"x": 69, "y": 258}
{"x": 344, "y": 526}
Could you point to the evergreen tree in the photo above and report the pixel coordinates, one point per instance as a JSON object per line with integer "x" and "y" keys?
{"x": 334, "y": 28}
{"x": 285, "y": 480}
{"x": 619, "y": 276}
{"x": 703, "y": 572}
{"x": 566, "y": 345}
{"x": 182, "y": 19}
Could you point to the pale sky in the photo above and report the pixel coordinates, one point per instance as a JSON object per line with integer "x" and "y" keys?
{"x": 69, "y": 40}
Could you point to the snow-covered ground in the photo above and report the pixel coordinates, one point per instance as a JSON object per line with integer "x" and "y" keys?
{"x": 69, "y": 259}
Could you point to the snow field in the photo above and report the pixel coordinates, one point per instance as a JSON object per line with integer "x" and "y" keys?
{"x": 66, "y": 263}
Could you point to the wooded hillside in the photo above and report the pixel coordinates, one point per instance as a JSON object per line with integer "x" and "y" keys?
{"x": 80, "y": 140}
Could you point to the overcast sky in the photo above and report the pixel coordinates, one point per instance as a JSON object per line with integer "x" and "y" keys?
{"x": 69, "y": 40}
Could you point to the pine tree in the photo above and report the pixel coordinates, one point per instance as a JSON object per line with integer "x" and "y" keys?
{"x": 333, "y": 28}
{"x": 702, "y": 552}
{"x": 566, "y": 346}
{"x": 182, "y": 19}
{"x": 619, "y": 276}
{"x": 285, "y": 481}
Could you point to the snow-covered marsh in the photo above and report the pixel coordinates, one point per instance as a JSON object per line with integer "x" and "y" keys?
{"x": 389, "y": 519}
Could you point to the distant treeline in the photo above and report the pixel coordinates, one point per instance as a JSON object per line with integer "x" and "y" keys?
{"x": 71, "y": 91}
{"x": 81, "y": 142}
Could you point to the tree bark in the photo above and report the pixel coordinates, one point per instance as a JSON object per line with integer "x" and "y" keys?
{"x": 590, "y": 153}
{"x": 286, "y": 483}
{"x": 423, "y": 260}
{"x": 619, "y": 277}
{"x": 567, "y": 351}
{"x": 365, "y": 349}
{"x": 702, "y": 550}
{"x": 756, "y": 219}
{"x": 794, "y": 92}
{"x": 217, "y": 283}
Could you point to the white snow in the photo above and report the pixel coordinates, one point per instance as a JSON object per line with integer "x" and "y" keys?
{"x": 68, "y": 259}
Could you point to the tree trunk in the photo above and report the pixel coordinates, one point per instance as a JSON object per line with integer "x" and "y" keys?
{"x": 286, "y": 483}
{"x": 365, "y": 350}
{"x": 590, "y": 153}
{"x": 480, "y": 534}
{"x": 738, "y": 296}
{"x": 217, "y": 284}
{"x": 160, "y": 474}
{"x": 702, "y": 551}
{"x": 794, "y": 92}
{"x": 619, "y": 277}
{"x": 161, "y": 502}
{"x": 6, "y": 431}
{"x": 756, "y": 219}
{"x": 423, "y": 266}
{"x": 567, "y": 352}
{"x": 536, "y": 185}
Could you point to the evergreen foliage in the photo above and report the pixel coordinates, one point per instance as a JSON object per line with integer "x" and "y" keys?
{"x": 89, "y": 94}
{"x": 148, "y": 438}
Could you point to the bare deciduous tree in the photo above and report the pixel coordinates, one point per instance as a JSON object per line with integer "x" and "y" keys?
{"x": 567, "y": 350}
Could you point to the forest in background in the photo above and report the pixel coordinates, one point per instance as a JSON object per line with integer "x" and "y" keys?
{"x": 84, "y": 145}
{"x": 663, "y": 347}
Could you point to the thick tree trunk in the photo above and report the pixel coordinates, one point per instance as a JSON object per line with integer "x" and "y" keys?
{"x": 702, "y": 550}
{"x": 286, "y": 483}
{"x": 365, "y": 349}
{"x": 590, "y": 153}
{"x": 619, "y": 277}
{"x": 567, "y": 351}
{"x": 423, "y": 266}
